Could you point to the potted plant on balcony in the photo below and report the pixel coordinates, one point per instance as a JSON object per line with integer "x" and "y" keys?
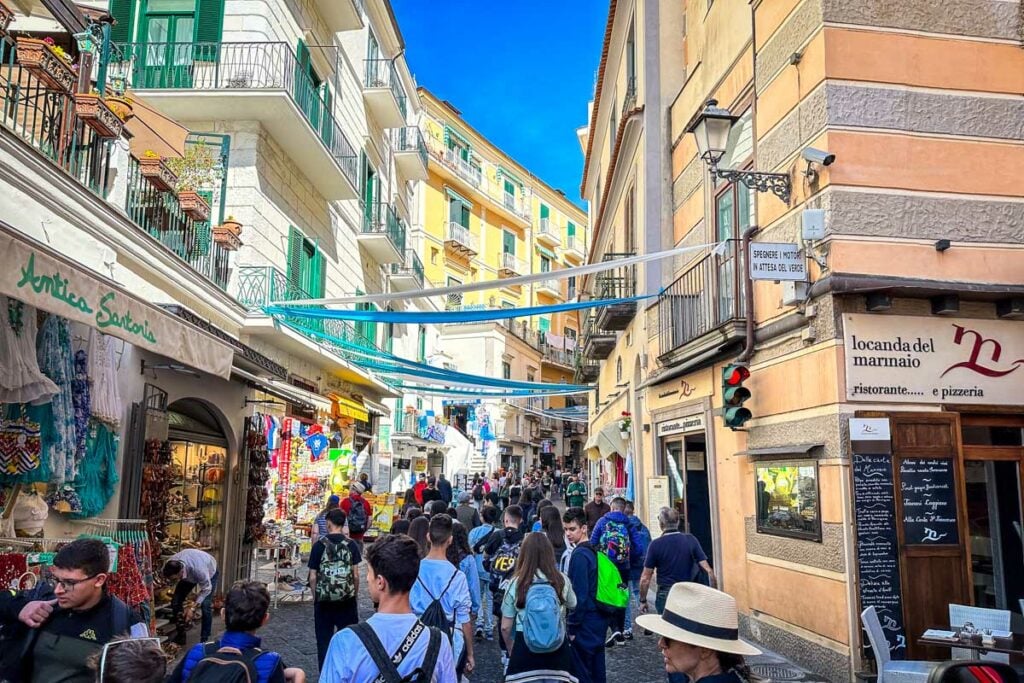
{"x": 6, "y": 17}
{"x": 227, "y": 234}
{"x": 625, "y": 424}
{"x": 156, "y": 171}
{"x": 95, "y": 113}
{"x": 195, "y": 169}
{"x": 121, "y": 105}
{"x": 48, "y": 62}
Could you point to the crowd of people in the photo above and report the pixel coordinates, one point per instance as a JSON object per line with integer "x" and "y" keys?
{"x": 499, "y": 562}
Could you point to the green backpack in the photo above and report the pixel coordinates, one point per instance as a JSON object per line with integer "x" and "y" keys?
{"x": 335, "y": 579}
{"x": 612, "y": 591}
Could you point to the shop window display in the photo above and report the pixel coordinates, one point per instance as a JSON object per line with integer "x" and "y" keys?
{"x": 195, "y": 507}
{"x": 787, "y": 499}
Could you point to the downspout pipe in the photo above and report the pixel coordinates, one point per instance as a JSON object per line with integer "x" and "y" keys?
{"x": 748, "y": 295}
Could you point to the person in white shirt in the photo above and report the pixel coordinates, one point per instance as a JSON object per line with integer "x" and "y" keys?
{"x": 393, "y": 566}
{"x": 192, "y": 569}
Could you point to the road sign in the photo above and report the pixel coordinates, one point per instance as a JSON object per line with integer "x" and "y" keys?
{"x": 777, "y": 261}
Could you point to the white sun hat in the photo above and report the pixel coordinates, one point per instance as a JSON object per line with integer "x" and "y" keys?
{"x": 701, "y": 616}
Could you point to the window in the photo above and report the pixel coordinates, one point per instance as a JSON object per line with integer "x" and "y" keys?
{"x": 421, "y": 344}
{"x": 508, "y": 242}
{"x": 618, "y": 371}
{"x": 506, "y": 370}
{"x": 631, "y": 53}
{"x": 733, "y": 215}
{"x": 570, "y": 229}
{"x": 530, "y": 377}
{"x": 787, "y": 499}
{"x": 630, "y": 220}
{"x": 545, "y": 264}
{"x": 572, "y": 286}
{"x": 545, "y": 212}
{"x": 613, "y": 123}
{"x": 367, "y": 330}
{"x": 458, "y": 211}
{"x": 569, "y": 333}
{"x": 306, "y": 267}
{"x": 544, "y": 324}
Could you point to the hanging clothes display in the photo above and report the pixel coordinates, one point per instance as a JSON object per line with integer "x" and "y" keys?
{"x": 23, "y": 455}
{"x": 80, "y": 395}
{"x": 102, "y": 371}
{"x": 127, "y": 583}
{"x": 259, "y": 475}
{"x": 56, "y": 361}
{"x": 21, "y": 380}
{"x": 97, "y": 473}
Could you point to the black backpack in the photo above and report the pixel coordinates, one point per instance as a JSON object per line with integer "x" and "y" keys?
{"x": 434, "y": 616}
{"x": 226, "y": 665}
{"x": 357, "y": 518}
{"x": 388, "y": 665}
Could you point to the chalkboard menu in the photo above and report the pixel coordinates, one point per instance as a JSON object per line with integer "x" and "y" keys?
{"x": 878, "y": 558}
{"x": 929, "y": 501}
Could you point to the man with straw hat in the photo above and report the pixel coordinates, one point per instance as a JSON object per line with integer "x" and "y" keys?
{"x": 699, "y": 631}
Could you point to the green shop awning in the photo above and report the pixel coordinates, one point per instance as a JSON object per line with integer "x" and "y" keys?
{"x": 502, "y": 171}
{"x": 544, "y": 251}
{"x": 452, "y": 194}
{"x": 450, "y": 133}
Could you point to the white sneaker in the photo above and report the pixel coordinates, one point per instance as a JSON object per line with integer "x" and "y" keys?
{"x": 614, "y": 638}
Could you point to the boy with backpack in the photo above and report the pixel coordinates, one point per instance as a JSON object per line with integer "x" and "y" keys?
{"x": 393, "y": 643}
{"x": 478, "y": 539}
{"x": 597, "y": 596}
{"x": 501, "y": 556}
{"x": 237, "y": 657}
{"x": 358, "y": 512}
{"x": 334, "y": 581}
{"x": 621, "y": 541}
{"x": 440, "y": 596}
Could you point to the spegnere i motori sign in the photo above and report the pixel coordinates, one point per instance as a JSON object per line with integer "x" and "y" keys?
{"x": 777, "y": 261}
{"x": 907, "y": 359}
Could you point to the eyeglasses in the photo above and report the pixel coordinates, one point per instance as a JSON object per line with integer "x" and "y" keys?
{"x": 69, "y": 584}
{"x": 106, "y": 649}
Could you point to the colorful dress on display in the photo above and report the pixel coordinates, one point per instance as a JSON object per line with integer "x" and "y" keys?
{"x": 80, "y": 392}
{"x": 102, "y": 370}
{"x": 97, "y": 473}
{"x": 21, "y": 380}
{"x": 57, "y": 362}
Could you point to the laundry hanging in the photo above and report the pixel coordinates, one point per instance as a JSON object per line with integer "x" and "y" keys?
{"x": 445, "y": 317}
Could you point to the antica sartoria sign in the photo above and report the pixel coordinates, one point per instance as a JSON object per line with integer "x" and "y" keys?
{"x": 934, "y": 360}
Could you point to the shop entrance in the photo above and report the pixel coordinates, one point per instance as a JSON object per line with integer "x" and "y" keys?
{"x": 686, "y": 464}
{"x": 993, "y": 466}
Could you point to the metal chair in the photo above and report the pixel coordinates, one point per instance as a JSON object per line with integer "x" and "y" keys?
{"x": 889, "y": 670}
{"x": 982, "y": 618}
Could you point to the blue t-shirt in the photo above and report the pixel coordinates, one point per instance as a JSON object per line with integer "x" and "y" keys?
{"x": 475, "y": 536}
{"x": 675, "y": 557}
{"x": 347, "y": 661}
{"x": 456, "y": 601}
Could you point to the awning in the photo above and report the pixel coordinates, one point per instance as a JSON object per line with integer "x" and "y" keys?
{"x": 800, "y": 449}
{"x": 36, "y": 274}
{"x": 377, "y": 408}
{"x": 546, "y": 252}
{"x": 414, "y": 440}
{"x": 347, "y": 407}
{"x": 452, "y": 194}
{"x": 605, "y": 443}
{"x": 283, "y": 390}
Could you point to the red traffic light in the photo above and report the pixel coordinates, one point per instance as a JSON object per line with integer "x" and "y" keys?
{"x": 734, "y": 375}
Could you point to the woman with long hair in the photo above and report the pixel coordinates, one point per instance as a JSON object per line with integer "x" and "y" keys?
{"x": 536, "y": 576}
{"x": 418, "y": 532}
{"x": 551, "y": 525}
{"x": 461, "y": 555}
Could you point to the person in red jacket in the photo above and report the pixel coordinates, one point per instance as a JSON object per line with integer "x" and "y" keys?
{"x": 357, "y": 523}
{"x": 417, "y": 490}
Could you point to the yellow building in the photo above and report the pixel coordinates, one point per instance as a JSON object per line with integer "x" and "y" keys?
{"x": 484, "y": 217}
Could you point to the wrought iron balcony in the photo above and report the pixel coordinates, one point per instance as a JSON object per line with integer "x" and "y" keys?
{"x": 259, "y": 286}
{"x": 383, "y": 234}
{"x": 703, "y": 308}
{"x": 160, "y": 215}
{"x": 460, "y": 241}
{"x": 407, "y": 275}
{"x": 452, "y": 159}
{"x": 261, "y": 81}
{"x": 410, "y": 152}
{"x": 548, "y": 233}
{"x": 556, "y": 356}
{"x": 510, "y": 266}
{"x": 383, "y": 93}
{"x": 587, "y": 370}
{"x": 617, "y": 283}
{"x": 598, "y": 343}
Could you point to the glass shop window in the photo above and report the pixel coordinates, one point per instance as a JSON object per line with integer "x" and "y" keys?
{"x": 787, "y": 499}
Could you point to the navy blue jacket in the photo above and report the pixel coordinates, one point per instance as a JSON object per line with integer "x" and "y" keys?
{"x": 636, "y": 560}
{"x": 445, "y": 487}
{"x": 587, "y": 622}
{"x": 268, "y": 665}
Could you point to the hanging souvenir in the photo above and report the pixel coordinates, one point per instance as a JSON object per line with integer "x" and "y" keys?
{"x": 53, "y": 348}
{"x": 21, "y": 380}
{"x": 30, "y": 513}
{"x": 317, "y": 443}
{"x": 102, "y": 370}
{"x": 20, "y": 443}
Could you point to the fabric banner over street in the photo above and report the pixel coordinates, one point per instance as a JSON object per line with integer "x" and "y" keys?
{"x": 35, "y": 274}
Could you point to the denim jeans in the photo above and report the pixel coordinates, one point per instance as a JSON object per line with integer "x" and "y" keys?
{"x": 485, "y": 619}
{"x": 634, "y": 599}
{"x": 206, "y": 623}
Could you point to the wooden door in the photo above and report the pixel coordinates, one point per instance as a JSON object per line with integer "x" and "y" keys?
{"x": 931, "y": 522}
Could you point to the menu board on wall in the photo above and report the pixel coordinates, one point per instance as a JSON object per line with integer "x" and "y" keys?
{"x": 878, "y": 559}
{"x": 929, "y": 501}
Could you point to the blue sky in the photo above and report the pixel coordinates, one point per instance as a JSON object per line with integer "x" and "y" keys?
{"x": 521, "y": 72}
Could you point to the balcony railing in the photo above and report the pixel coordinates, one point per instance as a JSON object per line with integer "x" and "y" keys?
{"x": 521, "y": 328}
{"x": 574, "y": 243}
{"x": 409, "y": 139}
{"x": 411, "y": 267}
{"x": 452, "y": 158}
{"x": 616, "y": 283}
{"x": 159, "y": 214}
{"x": 552, "y": 286}
{"x": 509, "y": 263}
{"x": 45, "y": 119}
{"x": 382, "y": 219}
{"x": 553, "y": 354}
{"x": 547, "y": 228}
{"x": 705, "y": 298}
{"x": 233, "y": 67}
{"x": 381, "y": 73}
{"x": 258, "y": 286}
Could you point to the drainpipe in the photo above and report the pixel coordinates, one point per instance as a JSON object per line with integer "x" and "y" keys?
{"x": 748, "y": 295}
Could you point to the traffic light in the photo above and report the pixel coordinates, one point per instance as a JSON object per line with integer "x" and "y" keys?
{"x": 734, "y": 395}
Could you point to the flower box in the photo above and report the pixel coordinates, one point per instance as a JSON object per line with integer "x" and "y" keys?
{"x": 122, "y": 108}
{"x": 98, "y": 116}
{"x": 194, "y": 206}
{"x": 40, "y": 58}
{"x": 156, "y": 173}
{"x": 227, "y": 236}
{"x": 6, "y": 17}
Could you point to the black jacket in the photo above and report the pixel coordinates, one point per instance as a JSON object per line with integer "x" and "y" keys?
{"x": 445, "y": 487}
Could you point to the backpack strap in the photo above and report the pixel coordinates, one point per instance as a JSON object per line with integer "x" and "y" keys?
{"x": 387, "y": 668}
{"x": 430, "y": 658}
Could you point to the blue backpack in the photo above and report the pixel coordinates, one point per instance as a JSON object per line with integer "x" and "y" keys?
{"x": 543, "y": 625}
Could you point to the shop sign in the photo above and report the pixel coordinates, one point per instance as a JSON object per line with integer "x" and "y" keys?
{"x": 383, "y": 478}
{"x": 52, "y": 285}
{"x": 870, "y": 435}
{"x": 657, "y": 497}
{"x": 777, "y": 261}
{"x": 933, "y": 360}
{"x": 690, "y": 423}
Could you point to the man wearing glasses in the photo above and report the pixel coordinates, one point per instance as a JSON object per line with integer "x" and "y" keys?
{"x": 76, "y": 620}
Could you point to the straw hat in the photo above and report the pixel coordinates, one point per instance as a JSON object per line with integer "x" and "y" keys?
{"x": 701, "y": 616}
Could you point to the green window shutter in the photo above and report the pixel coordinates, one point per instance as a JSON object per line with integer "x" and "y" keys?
{"x": 204, "y": 230}
{"x": 294, "y": 274}
{"x": 508, "y": 241}
{"x": 123, "y": 12}
{"x": 544, "y": 325}
{"x": 319, "y": 277}
{"x": 545, "y": 212}
{"x": 209, "y": 21}
{"x": 421, "y": 353}
{"x": 570, "y": 229}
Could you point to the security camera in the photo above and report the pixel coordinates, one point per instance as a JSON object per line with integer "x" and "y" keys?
{"x": 816, "y": 156}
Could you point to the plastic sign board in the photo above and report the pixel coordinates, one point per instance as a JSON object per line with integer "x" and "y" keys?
{"x": 777, "y": 261}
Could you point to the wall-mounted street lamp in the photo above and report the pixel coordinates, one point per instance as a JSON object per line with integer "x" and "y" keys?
{"x": 712, "y": 130}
